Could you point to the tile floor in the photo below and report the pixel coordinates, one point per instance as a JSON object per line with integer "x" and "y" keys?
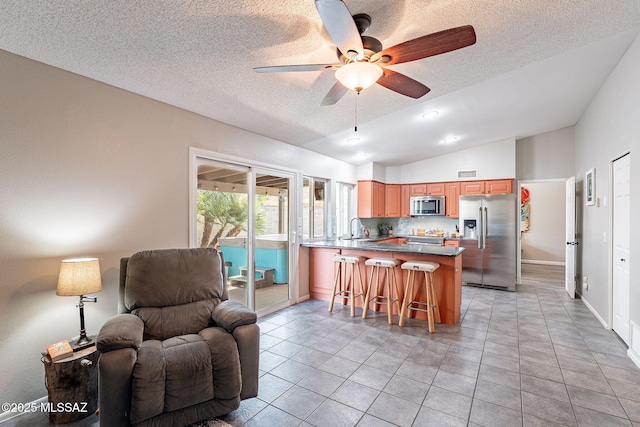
{"x": 533, "y": 357}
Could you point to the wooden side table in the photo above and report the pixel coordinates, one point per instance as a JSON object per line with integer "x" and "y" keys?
{"x": 72, "y": 385}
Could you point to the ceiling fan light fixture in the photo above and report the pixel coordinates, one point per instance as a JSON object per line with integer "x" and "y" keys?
{"x": 358, "y": 75}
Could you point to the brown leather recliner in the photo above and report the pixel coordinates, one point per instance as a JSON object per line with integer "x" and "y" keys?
{"x": 181, "y": 352}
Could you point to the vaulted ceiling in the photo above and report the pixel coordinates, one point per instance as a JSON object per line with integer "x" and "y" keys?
{"x": 535, "y": 66}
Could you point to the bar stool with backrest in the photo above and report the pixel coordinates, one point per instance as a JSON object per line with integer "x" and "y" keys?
{"x": 344, "y": 285}
{"x": 390, "y": 292}
{"x": 409, "y": 303}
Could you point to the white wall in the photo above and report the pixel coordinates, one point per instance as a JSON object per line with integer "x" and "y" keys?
{"x": 544, "y": 243}
{"x": 88, "y": 169}
{"x": 493, "y": 161}
{"x": 609, "y": 127}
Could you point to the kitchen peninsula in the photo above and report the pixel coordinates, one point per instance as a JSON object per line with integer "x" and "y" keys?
{"x": 447, "y": 278}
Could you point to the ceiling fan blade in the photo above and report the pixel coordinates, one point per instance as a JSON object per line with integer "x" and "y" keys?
{"x": 402, "y": 84}
{"x": 334, "y": 95}
{"x": 429, "y": 45}
{"x": 294, "y": 68}
{"x": 339, "y": 24}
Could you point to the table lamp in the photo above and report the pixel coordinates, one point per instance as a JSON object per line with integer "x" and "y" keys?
{"x": 80, "y": 276}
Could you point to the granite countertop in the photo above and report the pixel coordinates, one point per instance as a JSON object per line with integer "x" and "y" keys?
{"x": 375, "y": 245}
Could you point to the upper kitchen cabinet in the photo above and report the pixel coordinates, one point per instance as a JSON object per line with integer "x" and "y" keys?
{"x": 436, "y": 189}
{"x": 452, "y": 200}
{"x": 405, "y": 195}
{"x": 393, "y": 201}
{"x": 498, "y": 186}
{"x": 471, "y": 187}
{"x": 494, "y": 186}
{"x": 371, "y": 202}
{"x": 418, "y": 189}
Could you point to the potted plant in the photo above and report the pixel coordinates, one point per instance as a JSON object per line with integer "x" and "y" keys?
{"x": 385, "y": 229}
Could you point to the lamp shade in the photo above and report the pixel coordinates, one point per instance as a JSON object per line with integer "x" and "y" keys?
{"x": 79, "y": 276}
{"x": 358, "y": 75}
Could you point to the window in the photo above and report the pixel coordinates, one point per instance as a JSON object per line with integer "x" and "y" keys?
{"x": 314, "y": 195}
{"x": 344, "y": 207}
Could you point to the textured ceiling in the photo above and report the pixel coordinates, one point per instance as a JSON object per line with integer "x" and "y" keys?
{"x": 534, "y": 68}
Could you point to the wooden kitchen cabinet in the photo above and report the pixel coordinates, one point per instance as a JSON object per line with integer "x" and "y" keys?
{"x": 418, "y": 190}
{"x": 452, "y": 199}
{"x": 436, "y": 189}
{"x": 471, "y": 187}
{"x": 452, "y": 243}
{"x": 405, "y": 195}
{"x": 492, "y": 186}
{"x": 498, "y": 186}
{"x": 371, "y": 199}
{"x": 392, "y": 200}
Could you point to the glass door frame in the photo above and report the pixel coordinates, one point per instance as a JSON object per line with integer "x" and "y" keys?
{"x": 294, "y": 229}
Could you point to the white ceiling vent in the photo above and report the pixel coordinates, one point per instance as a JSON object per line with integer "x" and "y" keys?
{"x": 470, "y": 173}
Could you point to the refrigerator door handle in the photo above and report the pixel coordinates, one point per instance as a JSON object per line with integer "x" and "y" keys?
{"x": 479, "y": 228}
{"x": 485, "y": 224}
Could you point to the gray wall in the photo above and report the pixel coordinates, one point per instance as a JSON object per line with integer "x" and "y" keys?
{"x": 540, "y": 159}
{"x": 608, "y": 128}
{"x": 88, "y": 169}
{"x": 549, "y": 155}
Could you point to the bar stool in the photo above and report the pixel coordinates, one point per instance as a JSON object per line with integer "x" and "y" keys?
{"x": 347, "y": 290}
{"x": 388, "y": 265}
{"x": 432, "y": 310}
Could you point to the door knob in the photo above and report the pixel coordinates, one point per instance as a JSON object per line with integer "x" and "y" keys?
{"x": 622, "y": 259}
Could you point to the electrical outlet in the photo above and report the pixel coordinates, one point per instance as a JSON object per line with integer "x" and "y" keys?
{"x": 585, "y": 283}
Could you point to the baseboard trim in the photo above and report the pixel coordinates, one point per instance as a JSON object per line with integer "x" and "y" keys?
{"x": 595, "y": 313}
{"x": 540, "y": 262}
{"x": 6, "y": 416}
{"x": 304, "y": 298}
{"x": 634, "y": 345}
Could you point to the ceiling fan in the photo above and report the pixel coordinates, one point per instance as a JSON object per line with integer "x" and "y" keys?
{"x": 364, "y": 62}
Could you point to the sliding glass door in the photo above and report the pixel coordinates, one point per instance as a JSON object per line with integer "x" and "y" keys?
{"x": 223, "y": 219}
{"x": 272, "y": 238}
{"x": 246, "y": 213}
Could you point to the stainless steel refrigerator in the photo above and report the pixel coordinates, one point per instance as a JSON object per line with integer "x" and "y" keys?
{"x": 488, "y": 226}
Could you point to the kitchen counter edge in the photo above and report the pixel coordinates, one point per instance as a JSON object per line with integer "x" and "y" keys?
{"x": 374, "y": 245}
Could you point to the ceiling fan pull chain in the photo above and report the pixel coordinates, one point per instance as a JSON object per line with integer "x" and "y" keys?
{"x": 356, "y": 111}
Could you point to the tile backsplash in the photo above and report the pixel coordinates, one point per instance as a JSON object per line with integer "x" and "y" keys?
{"x": 402, "y": 226}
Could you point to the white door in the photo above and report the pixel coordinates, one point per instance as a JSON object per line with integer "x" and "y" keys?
{"x": 570, "y": 234}
{"x": 621, "y": 222}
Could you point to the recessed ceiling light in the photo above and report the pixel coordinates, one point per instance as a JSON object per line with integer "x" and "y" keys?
{"x": 450, "y": 139}
{"x": 430, "y": 114}
{"x": 353, "y": 140}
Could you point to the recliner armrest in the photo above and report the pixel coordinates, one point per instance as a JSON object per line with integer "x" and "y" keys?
{"x": 231, "y": 314}
{"x": 121, "y": 331}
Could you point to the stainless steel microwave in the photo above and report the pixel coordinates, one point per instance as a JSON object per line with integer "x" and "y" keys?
{"x": 426, "y": 205}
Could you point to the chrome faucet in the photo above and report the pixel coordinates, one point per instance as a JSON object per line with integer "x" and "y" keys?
{"x": 351, "y": 235}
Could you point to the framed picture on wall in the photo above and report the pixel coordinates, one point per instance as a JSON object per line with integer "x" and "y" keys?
{"x": 590, "y": 187}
